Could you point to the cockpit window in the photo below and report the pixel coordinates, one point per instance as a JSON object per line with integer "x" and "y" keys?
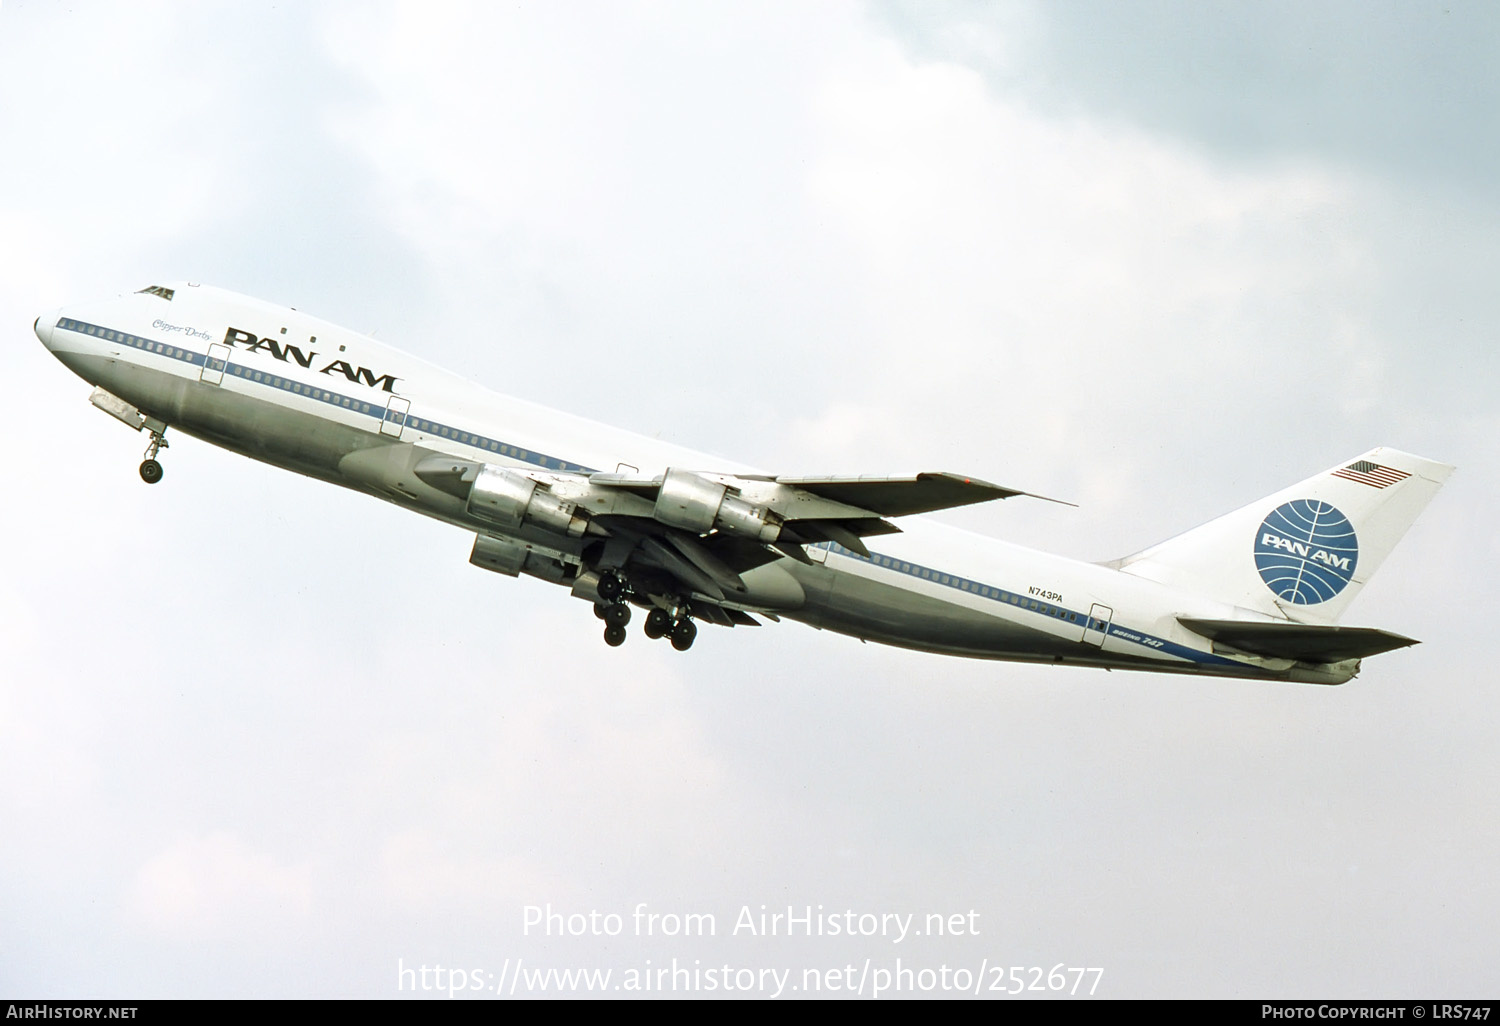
{"x": 157, "y": 290}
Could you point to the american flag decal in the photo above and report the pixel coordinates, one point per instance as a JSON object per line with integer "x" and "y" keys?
{"x": 1372, "y": 474}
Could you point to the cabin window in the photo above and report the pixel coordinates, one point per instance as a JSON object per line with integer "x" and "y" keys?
{"x": 157, "y": 290}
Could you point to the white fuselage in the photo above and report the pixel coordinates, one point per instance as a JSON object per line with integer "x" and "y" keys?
{"x": 300, "y": 393}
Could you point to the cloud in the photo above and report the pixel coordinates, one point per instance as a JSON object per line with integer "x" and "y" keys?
{"x": 930, "y": 274}
{"x": 1398, "y": 90}
{"x": 216, "y": 884}
{"x": 316, "y": 738}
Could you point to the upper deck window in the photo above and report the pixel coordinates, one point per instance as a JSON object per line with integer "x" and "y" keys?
{"x": 157, "y": 290}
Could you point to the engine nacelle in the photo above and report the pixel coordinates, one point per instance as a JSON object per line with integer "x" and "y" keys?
{"x": 509, "y": 499}
{"x": 696, "y": 504}
{"x": 512, "y": 559}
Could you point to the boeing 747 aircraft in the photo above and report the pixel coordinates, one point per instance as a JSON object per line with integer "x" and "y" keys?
{"x": 633, "y": 524}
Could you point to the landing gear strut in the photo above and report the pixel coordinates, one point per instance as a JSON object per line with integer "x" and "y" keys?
{"x": 151, "y": 471}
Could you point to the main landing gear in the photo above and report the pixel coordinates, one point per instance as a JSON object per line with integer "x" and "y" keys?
{"x": 615, "y": 616}
{"x": 151, "y": 471}
{"x": 659, "y": 622}
{"x": 681, "y": 630}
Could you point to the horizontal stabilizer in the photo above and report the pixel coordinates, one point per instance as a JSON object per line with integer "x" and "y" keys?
{"x": 902, "y": 496}
{"x": 1309, "y": 643}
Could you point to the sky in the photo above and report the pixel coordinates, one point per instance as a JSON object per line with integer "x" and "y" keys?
{"x": 263, "y": 737}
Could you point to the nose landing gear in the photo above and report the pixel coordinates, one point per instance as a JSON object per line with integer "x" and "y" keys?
{"x": 151, "y": 471}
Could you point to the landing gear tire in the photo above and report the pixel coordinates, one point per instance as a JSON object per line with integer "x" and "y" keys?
{"x": 617, "y": 615}
{"x": 683, "y": 633}
{"x": 610, "y": 587}
{"x": 614, "y": 636}
{"x": 658, "y": 623}
{"x": 601, "y": 610}
{"x": 151, "y": 472}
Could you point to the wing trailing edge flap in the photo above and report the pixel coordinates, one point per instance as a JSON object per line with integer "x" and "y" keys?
{"x": 904, "y": 496}
{"x": 723, "y": 616}
{"x": 1304, "y": 642}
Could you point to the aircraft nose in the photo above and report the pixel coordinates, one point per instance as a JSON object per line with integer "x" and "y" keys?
{"x": 43, "y": 326}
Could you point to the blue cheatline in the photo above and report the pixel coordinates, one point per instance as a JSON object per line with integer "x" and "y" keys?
{"x": 421, "y": 426}
{"x": 354, "y": 404}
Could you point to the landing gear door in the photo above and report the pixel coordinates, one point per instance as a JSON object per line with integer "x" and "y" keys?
{"x": 214, "y": 363}
{"x": 395, "y": 416}
{"x": 1097, "y": 626}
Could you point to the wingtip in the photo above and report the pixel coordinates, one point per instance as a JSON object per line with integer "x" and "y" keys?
{"x": 1048, "y": 498}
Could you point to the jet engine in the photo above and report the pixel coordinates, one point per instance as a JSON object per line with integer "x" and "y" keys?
{"x": 508, "y": 499}
{"x": 513, "y": 559}
{"x": 696, "y": 504}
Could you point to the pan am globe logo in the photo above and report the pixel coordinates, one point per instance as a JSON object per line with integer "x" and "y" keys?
{"x": 1306, "y": 551}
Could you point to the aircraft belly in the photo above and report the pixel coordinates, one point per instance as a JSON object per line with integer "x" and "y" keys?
{"x": 296, "y": 440}
{"x": 877, "y": 611}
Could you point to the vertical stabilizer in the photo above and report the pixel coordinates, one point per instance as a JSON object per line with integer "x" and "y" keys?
{"x": 1305, "y": 552}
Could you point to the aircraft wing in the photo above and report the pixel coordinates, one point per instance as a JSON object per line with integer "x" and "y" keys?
{"x": 1312, "y": 643}
{"x": 903, "y": 496}
{"x": 816, "y": 509}
{"x": 702, "y": 529}
{"x": 805, "y": 498}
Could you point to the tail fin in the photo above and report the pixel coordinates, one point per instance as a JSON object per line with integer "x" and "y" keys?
{"x": 1305, "y": 552}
